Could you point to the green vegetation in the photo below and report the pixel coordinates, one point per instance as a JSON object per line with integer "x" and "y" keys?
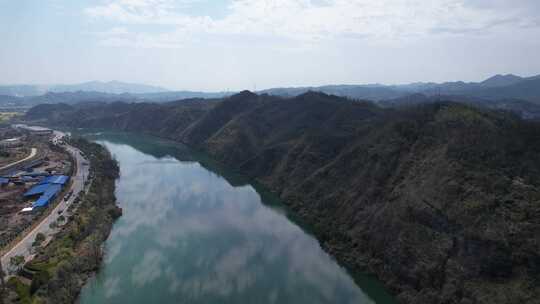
{"x": 40, "y": 237}
{"x": 22, "y": 290}
{"x": 5, "y": 117}
{"x": 439, "y": 200}
{"x": 16, "y": 263}
{"x": 60, "y": 269}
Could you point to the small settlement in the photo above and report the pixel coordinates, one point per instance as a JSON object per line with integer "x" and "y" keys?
{"x": 33, "y": 172}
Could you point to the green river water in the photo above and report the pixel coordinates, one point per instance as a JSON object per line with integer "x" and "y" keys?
{"x": 192, "y": 232}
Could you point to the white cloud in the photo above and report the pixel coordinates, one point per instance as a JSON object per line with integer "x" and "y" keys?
{"x": 309, "y": 21}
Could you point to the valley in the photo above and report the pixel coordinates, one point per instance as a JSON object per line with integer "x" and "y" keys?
{"x": 195, "y": 231}
{"x": 439, "y": 200}
{"x": 270, "y": 151}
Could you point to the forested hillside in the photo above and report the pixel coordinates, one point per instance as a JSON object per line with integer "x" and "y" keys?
{"x": 440, "y": 200}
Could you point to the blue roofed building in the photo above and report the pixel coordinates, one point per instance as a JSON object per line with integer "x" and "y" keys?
{"x": 38, "y": 189}
{"x": 48, "y": 189}
{"x": 55, "y": 179}
{"x": 45, "y": 180}
{"x": 49, "y": 195}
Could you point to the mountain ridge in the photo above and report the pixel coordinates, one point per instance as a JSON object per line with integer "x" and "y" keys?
{"x": 502, "y": 80}
{"x": 485, "y": 88}
{"x": 492, "y": 88}
{"x": 110, "y": 87}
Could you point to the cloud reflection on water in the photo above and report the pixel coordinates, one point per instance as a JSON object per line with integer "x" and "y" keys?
{"x": 188, "y": 233}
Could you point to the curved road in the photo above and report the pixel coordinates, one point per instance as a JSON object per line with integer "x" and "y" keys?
{"x": 23, "y": 248}
{"x": 32, "y": 154}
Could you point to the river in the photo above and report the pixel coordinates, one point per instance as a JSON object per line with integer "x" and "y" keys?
{"x": 191, "y": 232}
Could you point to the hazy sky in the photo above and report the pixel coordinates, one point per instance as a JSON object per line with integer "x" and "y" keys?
{"x": 240, "y": 44}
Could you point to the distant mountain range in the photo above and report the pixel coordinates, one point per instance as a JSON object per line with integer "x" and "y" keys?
{"x": 496, "y": 87}
{"x": 9, "y": 101}
{"x": 111, "y": 87}
{"x": 499, "y": 88}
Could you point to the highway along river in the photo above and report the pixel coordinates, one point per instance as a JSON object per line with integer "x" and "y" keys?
{"x": 192, "y": 232}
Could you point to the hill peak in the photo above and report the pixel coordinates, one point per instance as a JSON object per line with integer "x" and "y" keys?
{"x": 243, "y": 95}
{"x": 501, "y": 80}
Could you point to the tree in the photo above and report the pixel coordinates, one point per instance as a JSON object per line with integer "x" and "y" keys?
{"x": 2, "y": 284}
{"x": 40, "y": 278}
{"x": 40, "y": 237}
{"x": 95, "y": 249}
{"x": 15, "y": 263}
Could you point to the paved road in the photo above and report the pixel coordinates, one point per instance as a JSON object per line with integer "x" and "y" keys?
{"x": 32, "y": 154}
{"x": 24, "y": 246}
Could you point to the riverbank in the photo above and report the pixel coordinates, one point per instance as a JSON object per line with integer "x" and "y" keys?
{"x": 60, "y": 269}
{"x": 203, "y": 235}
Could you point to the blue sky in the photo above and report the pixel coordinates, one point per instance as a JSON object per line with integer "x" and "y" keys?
{"x": 243, "y": 44}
